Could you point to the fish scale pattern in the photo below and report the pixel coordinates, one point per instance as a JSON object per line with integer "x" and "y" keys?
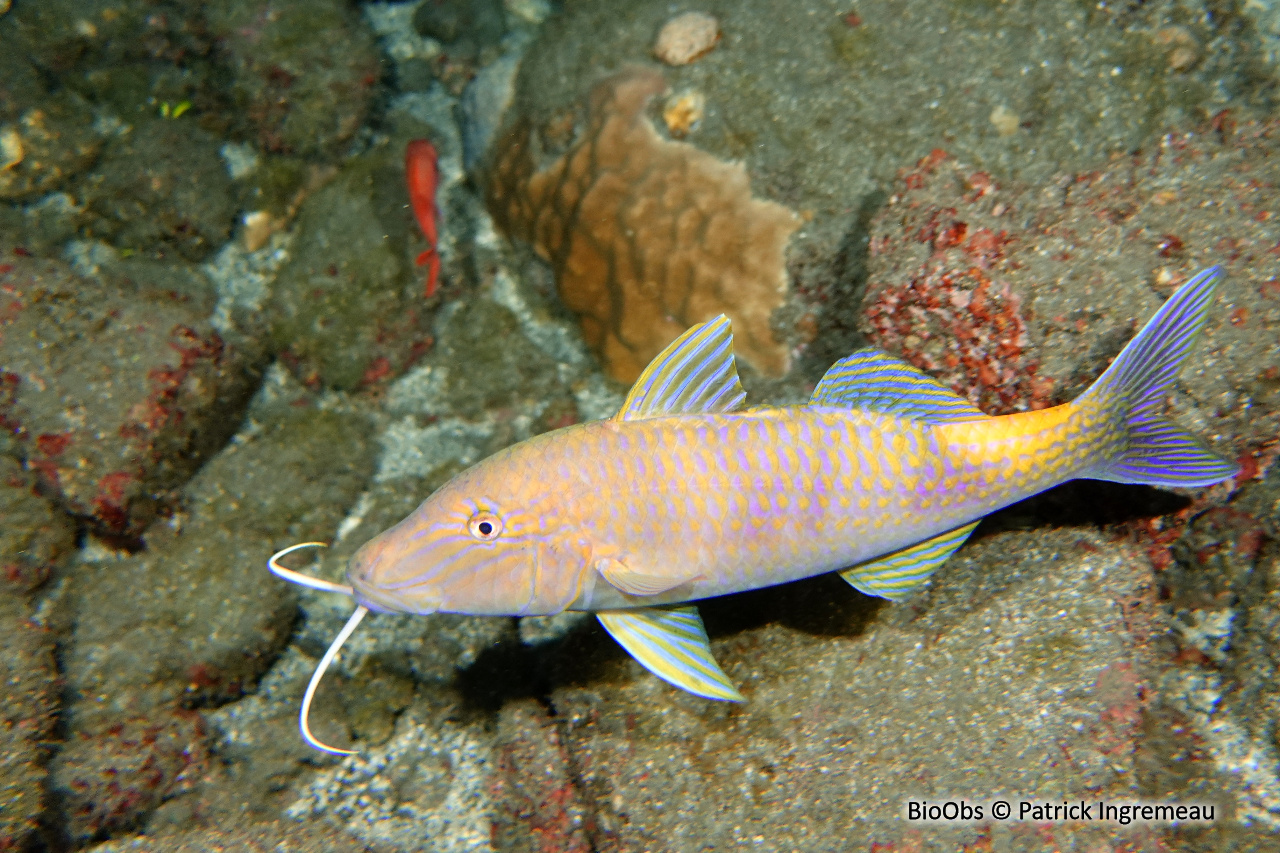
{"x": 746, "y": 498}
{"x": 1022, "y": 454}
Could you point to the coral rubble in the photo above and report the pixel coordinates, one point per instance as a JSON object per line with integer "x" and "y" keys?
{"x": 646, "y": 236}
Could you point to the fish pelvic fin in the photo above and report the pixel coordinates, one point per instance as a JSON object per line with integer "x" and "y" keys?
{"x": 1152, "y": 450}
{"x": 671, "y": 643}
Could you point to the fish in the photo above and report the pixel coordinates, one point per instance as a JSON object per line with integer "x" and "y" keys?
{"x": 687, "y": 494}
{"x": 422, "y": 177}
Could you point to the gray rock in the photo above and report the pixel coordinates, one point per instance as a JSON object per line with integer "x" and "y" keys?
{"x": 1016, "y": 674}
{"x": 429, "y": 785}
{"x": 28, "y": 713}
{"x": 464, "y": 26}
{"x": 57, "y": 140}
{"x": 482, "y": 106}
{"x": 203, "y": 616}
{"x": 35, "y": 536}
{"x": 117, "y": 395}
{"x": 347, "y": 308}
{"x": 1018, "y": 296}
{"x": 824, "y": 106}
{"x": 195, "y": 619}
{"x": 303, "y": 73}
{"x": 160, "y": 189}
{"x": 1224, "y": 590}
{"x": 108, "y": 780}
{"x": 537, "y": 804}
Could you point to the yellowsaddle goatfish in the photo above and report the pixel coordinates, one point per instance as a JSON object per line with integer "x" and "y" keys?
{"x": 685, "y": 494}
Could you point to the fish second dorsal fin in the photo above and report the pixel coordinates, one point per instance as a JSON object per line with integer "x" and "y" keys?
{"x": 693, "y": 375}
{"x": 895, "y": 576}
{"x": 671, "y": 643}
{"x": 876, "y": 381}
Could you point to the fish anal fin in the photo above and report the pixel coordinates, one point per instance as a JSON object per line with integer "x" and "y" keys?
{"x": 897, "y": 575}
{"x": 695, "y": 374}
{"x": 671, "y": 643}
{"x": 876, "y": 381}
{"x": 635, "y": 581}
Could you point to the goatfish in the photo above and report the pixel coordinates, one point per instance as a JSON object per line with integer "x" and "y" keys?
{"x": 685, "y": 494}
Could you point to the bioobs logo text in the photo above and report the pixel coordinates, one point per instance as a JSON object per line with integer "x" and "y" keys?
{"x": 1121, "y": 813}
{"x": 944, "y": 812}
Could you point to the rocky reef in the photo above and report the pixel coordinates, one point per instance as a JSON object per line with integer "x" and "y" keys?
{"x": 214, "y": 343}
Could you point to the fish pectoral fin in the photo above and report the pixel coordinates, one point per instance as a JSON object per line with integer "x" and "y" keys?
{"x": 693, "y": 375}
{"x": 671, "y": 643}
{"x": 634, "y": 581}
{"x": 895, "y": 576}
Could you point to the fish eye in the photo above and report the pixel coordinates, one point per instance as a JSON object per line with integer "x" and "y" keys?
{"x": 484, "y": 526}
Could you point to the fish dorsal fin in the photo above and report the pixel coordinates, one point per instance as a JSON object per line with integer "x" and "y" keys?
{"x": 897, "y": 575}
{"x": 671, "y": 643}
{"x": 694, "y": 374}
{"x": 876, "y": 381}
{"x": 635, "y": 581}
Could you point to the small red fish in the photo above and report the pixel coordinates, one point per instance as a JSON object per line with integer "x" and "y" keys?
{"x": 422, "y": 175}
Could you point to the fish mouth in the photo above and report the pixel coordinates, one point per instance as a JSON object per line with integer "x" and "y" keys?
{"x": 371, "y": 604}
{"x": 379, "y": 579}
{"x": 383, "y": 601}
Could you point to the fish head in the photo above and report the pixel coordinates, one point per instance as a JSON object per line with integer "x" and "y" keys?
{"x": 484, "y": 544}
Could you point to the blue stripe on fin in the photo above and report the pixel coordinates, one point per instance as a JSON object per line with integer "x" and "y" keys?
{"x": 897, "y": 575}
{"x": 671, "y": 643}
{"x": 877, "y": 382}
{"x": 694, "y": 374}
{"x": 1156, "y": 452}
{"x": 1164, "y": 455}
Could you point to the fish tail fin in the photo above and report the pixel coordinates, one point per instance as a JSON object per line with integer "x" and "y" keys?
{"x": 1152, "y": 450}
